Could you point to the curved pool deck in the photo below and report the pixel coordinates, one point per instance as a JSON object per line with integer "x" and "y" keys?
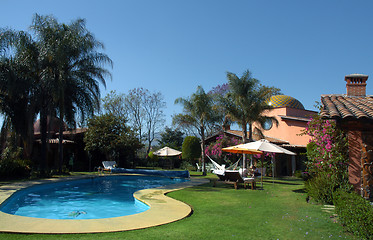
{"x": 162, "y": 210}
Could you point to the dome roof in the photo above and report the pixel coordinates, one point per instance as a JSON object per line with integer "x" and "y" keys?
{"x": 284, "y": 101}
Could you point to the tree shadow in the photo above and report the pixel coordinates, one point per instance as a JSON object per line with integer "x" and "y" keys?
{"x": 278, "y": 182}
{"x": 302, "y": 190}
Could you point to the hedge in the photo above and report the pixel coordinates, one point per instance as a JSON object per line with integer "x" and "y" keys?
{"x": 355, "y": 213}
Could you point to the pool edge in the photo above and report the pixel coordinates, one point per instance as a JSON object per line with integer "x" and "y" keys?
{"x": 162, "y": 210}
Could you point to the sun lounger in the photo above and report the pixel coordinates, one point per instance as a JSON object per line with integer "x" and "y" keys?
{"x": 235, "y": 178}
{"x": 109, "y": 165}
{"x": 220, "y": 174}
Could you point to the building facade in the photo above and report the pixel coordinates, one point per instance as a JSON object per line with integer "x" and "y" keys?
{"x": 353, "y": 113}
{"x": 291, "y": 119}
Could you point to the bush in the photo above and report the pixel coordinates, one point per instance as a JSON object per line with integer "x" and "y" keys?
{"x": 153, "y": 160}
{"x": 14, "y": 169}
{"x": 191, "y": 148}
{"x": 322, "y": 186}
{"x": 298, "y": 174}
{"x": 11, "y": 164}
{"x": 187, "y": 166}
{"x": 355, "y": 213}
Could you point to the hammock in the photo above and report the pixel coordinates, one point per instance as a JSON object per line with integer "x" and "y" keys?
{"x": 216, "y": 165}
{"x": 220, "y": 167}
{"x": 234, "y": 166}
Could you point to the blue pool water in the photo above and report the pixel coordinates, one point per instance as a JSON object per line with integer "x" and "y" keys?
{"x": 100, "y": 197}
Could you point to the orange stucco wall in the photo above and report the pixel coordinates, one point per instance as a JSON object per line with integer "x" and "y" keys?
{"x": 289, "y": 130}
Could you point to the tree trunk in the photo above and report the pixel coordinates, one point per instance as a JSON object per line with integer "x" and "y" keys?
{"x": 43, "y": 131}
{"x": 244, "y": 132}
{"x": 203, "y": 151}
{"x": 250, "y": 132}
{"x": 60, "y": 144}
{"x": 28, "y": 140}
{"x": 244, "y": 140}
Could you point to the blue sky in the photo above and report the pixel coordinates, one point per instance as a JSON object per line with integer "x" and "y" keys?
{"x": 305, "y": 48}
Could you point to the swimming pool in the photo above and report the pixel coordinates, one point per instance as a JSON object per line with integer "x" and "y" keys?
{"x": 93, "y": 198}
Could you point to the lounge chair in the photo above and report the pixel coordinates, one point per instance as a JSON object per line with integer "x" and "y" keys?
{"x": 198, "y": 167}
{"x": 234, "y": 177}
{"x": 109, "y": 165}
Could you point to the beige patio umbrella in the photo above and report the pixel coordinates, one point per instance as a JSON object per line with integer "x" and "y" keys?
{"x": 167, "y": 152}
{"x": 266, "y": 146}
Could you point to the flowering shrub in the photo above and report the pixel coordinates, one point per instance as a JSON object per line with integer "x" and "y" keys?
{"x": 214, "y": 149}
{"x": 327, "y": 150}
{"x": 327, "y": 158}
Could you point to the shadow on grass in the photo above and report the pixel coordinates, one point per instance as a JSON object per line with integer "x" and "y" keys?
{"x": 278, "y": 182}
{"x": 215, "y": 185}
{"x": 302, "y": 190}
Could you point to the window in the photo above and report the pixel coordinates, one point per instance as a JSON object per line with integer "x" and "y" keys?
{"x": 267, "y": 125}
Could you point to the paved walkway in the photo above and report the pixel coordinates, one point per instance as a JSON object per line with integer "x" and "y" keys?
{"x": 162, "y": 210}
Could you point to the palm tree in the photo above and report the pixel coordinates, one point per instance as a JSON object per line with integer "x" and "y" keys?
{"x": 19, "y": 76}
{"x": 74, "y": 69}
{"x": 198, "y": 114}
{"x": 58, "y": 72}
{"x": 246, "y": 101}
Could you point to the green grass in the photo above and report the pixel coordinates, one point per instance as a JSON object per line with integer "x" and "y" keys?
{"x": 278, "y": 211}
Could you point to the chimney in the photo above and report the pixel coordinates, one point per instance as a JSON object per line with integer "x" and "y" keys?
{"x": 356, "y": 84}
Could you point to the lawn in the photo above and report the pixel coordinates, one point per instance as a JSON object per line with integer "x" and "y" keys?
{"x": 278, "y": 211}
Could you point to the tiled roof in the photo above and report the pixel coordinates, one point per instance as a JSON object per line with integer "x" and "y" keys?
{"x": 343, "y": 106}
{"x": 256, "y": 137}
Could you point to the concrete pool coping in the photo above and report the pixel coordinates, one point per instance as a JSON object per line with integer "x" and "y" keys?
{"x": 162, "y": 210}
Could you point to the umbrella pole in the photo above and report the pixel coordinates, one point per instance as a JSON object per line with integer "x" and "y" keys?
{"x": 243, "y": 161}
{"x": 273, "y": 169}
{"x": 261, "y": 171}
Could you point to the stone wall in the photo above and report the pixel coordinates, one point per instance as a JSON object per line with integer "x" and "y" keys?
{"x": 367, "y": 165}
{"x": 354, "y": 166}
{"x": 360, "y": 167}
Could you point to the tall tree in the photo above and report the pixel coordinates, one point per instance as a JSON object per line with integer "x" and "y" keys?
{"x": 171, "y": 138}
{"x": 110, "y": 135}
{"x": 20, "y": 75}
{"x": 246, "y": 101}
{"x": 217, "y": 94}
{"x": 57, "y": 70}
{"x": 145, "y": 113}
{"x": 134, "y": 107}
{"x": 114, "y": 103}
{"x": 153, "y": 106}
{"x": 197, "y": 113}
{"x": 73, "y": 70}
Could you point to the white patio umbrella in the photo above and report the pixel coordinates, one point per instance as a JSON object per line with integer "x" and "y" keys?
{"x": 167, "y": 152}
{"x": 266, "y": 146}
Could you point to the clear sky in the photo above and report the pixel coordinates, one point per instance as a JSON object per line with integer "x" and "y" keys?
{"x": 305, "y": 48}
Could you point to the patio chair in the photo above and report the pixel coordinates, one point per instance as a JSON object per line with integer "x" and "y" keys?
{"x": 198, "y": 167}
{"x": 109, "y": 165}
{"x": 235, "y": 178}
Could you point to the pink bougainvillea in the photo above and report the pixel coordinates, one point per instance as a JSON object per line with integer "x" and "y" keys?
{"x": 214, "y": 149}
{"x": 327, "y": 149}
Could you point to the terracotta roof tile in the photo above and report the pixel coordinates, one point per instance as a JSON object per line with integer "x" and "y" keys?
{"x": 343, "y": 106}
{"x": 256, "y": 137}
